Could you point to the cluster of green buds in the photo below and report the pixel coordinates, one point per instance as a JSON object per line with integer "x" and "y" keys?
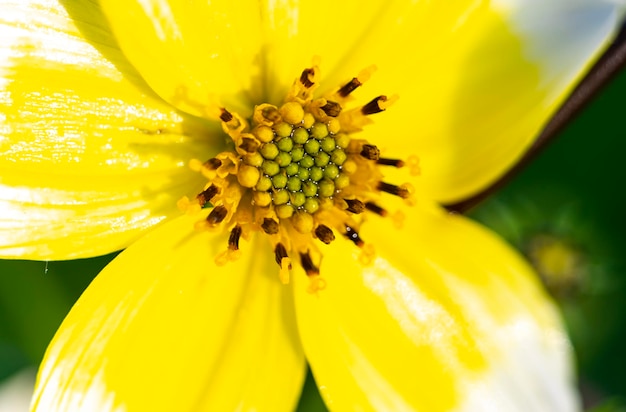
{"x": 300, "y": 163}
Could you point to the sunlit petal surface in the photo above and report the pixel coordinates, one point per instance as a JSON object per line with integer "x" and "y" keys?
{"x": 476, "y": 81}
{"x": 445, "y": 318}
{"x": 90, "y": 157}
{"x": 196, "y": 55}
{"x": 163, "y": 328}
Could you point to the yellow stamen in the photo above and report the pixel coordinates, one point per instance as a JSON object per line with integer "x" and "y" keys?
{"x": 226, "y": 256}
{"x": 316, "y": 284}
{"x": 285, "y": 267}
{"x": 413, "y": 164}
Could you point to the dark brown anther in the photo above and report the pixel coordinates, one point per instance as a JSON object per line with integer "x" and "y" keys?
{"x": 373, "y": 106}
{"x": 373, "y": 207}
{"x": 324, "y": 233}
{"x": 233, "y": 239}
{"x": 393, "y": 189}
{"x": 213, "y": 163}
{"x": 270, "y": 226}
{"x": 280, "y": 253}
{"x": 208, "y": 194}
{"x": 390, "y": 162}
{"x": 371, "y": 152}
{"x": 331, "y": 109}
{"x": 355, "y": 206}
{"x": 307, "y": 264}
{"x": 226, "y": 116}
{"x": 353, "y": 235}
{"x": 349, "y": 87}
{"x": 249, "y": 145}
{"x": 217, "y": 215}
{"x": 305, "y": 77}
{"x": 271, "y": 114}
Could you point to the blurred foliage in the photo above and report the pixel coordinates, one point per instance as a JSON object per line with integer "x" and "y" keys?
{"x": 611, "y": 405}
{"x": 565, "y": 212}
{"x": 34, "y": 298}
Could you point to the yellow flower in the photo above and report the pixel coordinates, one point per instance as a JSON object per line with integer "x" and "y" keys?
{"x": 102, "y": 110}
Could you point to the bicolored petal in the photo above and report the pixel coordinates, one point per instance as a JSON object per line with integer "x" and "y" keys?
{"x": 477, "y": 80}
{"x": 446, "y": 317}
{"x": 163, "y": 328}
{"x": 90, "y": 156}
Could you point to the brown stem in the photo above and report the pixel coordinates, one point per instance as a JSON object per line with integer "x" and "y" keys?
{"x": 605, "y": 69}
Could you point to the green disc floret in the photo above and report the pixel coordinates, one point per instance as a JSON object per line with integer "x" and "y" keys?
{"x": 311, "y": 205}
{"x": 269, "y": 151}
{"x": 270, "y": 167}
{"x": 279, "y": 181}
{"x": 283, "y": 129}
{"x": 285, "y": 144}
{"x": 264, "y": 184}
{"x": 292, "y": 169}
{"x": 254, "y": 159}
{"x": 307, "y": 162}
{"x": 331, "y": 171}
{"x": 283, "y": 159}
{"x": 326, "y": 188}
{"x": 312, "y": 146}
{"x": 294, "y": 184}
{"x": 319, "y": 130}
{"x": 322, "y": 159}
{"x": 280, "y": 197}
{"x": 303, "y": 173}
{"x": 284, "y": 211}
{"x": 300, "y": 135}
{"x": 297, "y": 154}
{"x": 298, "y": 199}
{"x": 309, "y": 189}
{"x": 316, "y": 173}
{"x": 338, "y": 156}
{"x": 328, "y": 144}
{"x": 300, "y": 162}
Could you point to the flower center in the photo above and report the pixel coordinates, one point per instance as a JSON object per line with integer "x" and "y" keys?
{"x": 297, "y": 174}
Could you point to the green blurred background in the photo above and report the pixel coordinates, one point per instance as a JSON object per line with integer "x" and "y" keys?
{"x": 565, "y": 212}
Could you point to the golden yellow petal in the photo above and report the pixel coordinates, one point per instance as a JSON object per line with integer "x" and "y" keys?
{"x": 477, "y": 80}
{"x": 446, "y": 317}
{"x": 296, "y": 32}
{"x": 196, "y": 55}
{"x": 90, "y": 157}
{"x": 163, "y": 328}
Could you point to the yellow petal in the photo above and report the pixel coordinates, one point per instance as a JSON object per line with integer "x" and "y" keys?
{"x": 477, "y": 82}
{"x": 163, "y": 328}
{"x": 447, "y": 317}
{"x": 196, "y": 55}
{"x": 90, "y": 157}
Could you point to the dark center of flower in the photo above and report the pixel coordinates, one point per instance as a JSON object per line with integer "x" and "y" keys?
{"x": 297, "y": 174}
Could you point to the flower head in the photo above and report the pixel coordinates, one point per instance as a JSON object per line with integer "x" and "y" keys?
{"x": 104, "y": 112}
